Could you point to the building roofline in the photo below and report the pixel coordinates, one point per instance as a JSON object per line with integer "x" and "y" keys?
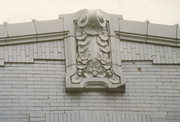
{"x": 126, "y": 30}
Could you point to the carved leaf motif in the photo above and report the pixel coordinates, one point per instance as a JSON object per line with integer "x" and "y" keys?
{"x": 107, "y": 60}
{"x": 103, "y": 62}
{"x": 84, "y": 56}
{"x": 95, "y": 73}
{"x": 82, "y": 48}
{"x": 78, "y": 58}
{"x": 81, "y": 66}
{"x": 81, "y": 37}
{"x": 101, "y": 43}
{"x": 88, "y": 74}
{"x": 103, "y": 37}
{"x": 83, "y": 43}
{"x": 107, "y": 67}
{"x": 84, "y": 61}
{"x": 105, "y": 49}
{"x": 76, "y": 79}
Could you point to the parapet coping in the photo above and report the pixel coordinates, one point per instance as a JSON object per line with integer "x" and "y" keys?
{"x": 145, "y": 32}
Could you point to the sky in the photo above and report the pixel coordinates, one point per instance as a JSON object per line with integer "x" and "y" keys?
{"x": 156, "y": 11}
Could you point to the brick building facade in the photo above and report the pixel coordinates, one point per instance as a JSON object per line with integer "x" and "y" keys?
{"x": 43, "y": 80}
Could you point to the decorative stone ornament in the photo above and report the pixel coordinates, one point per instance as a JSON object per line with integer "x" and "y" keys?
{"x": 91, "y": 62}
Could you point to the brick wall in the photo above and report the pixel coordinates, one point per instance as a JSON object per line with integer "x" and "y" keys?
{"x": 38, "y": 88}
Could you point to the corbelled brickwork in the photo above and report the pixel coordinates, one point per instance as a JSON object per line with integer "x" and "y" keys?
{"x": 143, "y": 52}
{"x": 27, "y": 53}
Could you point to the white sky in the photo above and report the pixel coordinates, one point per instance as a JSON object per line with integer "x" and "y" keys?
{"x": 157, "y": 11}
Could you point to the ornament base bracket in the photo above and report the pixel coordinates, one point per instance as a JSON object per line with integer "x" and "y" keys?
{"x": 97, "y": 88}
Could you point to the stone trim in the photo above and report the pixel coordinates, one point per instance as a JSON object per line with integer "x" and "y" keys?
{"x": 148, "y": 39}
{"x": 33, "y": 38}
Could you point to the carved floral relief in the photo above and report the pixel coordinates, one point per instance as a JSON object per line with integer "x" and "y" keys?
{"x": 93, "y": 48}
{"x": 92, "y": 52}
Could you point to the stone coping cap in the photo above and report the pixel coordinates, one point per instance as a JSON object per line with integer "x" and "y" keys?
{"x": 31, "y": 28}
{"x": 125, "y": 26}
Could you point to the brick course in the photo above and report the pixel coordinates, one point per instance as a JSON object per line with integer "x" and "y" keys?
{"x": 39, "y": 87}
